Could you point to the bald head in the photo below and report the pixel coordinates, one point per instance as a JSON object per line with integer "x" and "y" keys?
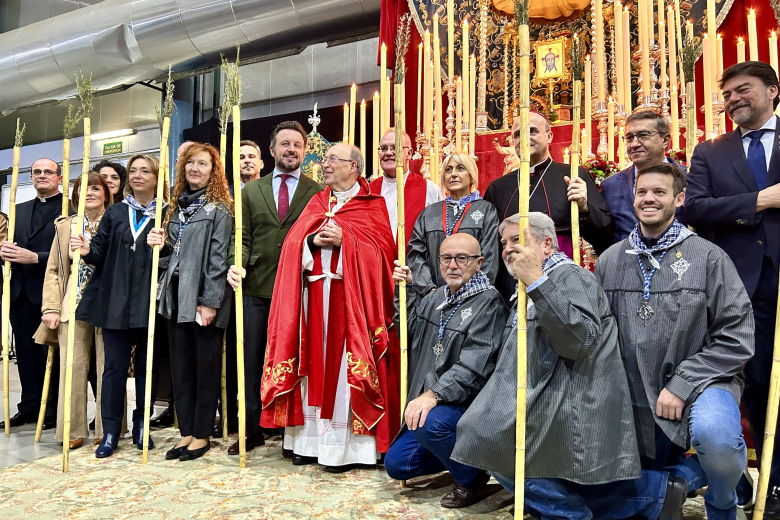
{"x": 180, "y": 150}
{"x": 459, "y": 259}
{"x": 341, "y": 166}
{"x": 539, "y": 137}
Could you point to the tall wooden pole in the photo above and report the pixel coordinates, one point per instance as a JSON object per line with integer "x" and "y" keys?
{"x": 401, "y": 239}
{"x": 7, "y": 273}
{"x": 162, "y": 173}
{"x": 576, "y": 152}
{"x": 74, "y": 284}
{"x": 521, "y": 16}
{"x": 223, "y": 412}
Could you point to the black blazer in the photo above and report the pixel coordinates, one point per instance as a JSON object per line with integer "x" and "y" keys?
{"x": 30, "y": 276}
{"x": 720, "y": 202}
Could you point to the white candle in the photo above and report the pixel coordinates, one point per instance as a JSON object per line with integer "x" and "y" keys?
{"x": 588, "y": 101}
{"x": 773, "y": 51}
{"x": 473, "y": 105}
{"x": 464, "y": 71}
{"x": 675, "y": 118}
{"x": 719, "y": 73}
{"x": 566, "y": 156}
{"x": 437, "y": 83}
{"x": 611, "y": 130}
{"x": 619, "y": 75}
{"x": 662, "y": 49}
{"x": 345, "y": 129}
{"x": 600, "y": 53}
{"x": 712, "y": 28}
{"x": 419, "y": 85}
{"x": 752, "y": 38}
{"x": 352, "y": 110}
{"x": 375, "y": 138}
{"x": 627, "y": 102}
{"x": 458, "y": 116}
{"x": 707, "y": 67}
{"x": 672, "y": 48}
{"x": 450, "y": 39}
{"x": 740, "y": 50}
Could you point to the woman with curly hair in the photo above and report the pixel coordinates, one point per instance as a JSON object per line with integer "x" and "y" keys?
{"x": 194, "y": 299}
{"x": 118, "y": 293}
{"x": 115, "y": 175}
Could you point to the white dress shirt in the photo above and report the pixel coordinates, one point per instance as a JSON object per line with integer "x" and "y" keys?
{"x": 390, "y": 193}
{"x": 766, "y": 139}
{"x": 292, "y": 183}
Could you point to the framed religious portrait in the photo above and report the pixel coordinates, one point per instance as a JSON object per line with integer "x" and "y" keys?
{"x": 552, "y": 60}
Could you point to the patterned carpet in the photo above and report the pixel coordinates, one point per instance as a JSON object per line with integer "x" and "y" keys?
{"x": 213, "y": 488}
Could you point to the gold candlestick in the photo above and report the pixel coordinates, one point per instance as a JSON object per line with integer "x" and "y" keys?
{"x": 601, "y": 115}
{"x": 449, "y": 146}
{"x": 423, "y": 152}
{"x": 505, "y": 114}
{"x": 482, "y": 116}
{"x": 419, "y": 139}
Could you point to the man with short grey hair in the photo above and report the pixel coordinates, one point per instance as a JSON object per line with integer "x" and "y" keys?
{"x": 251, "y": 163}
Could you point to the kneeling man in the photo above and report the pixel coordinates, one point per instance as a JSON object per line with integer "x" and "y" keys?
{"x": 455, "y": 335}
{"x": 582, "y": 460}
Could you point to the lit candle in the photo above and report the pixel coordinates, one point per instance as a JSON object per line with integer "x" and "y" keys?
{"x": 584, "y": 147}
{"x": 752, "y": 38}
{"x": 588, "y": 101}
{"x": 435, "y": 157}
{"x": 621, "y": 148}
{"x": 773, "y": 51}
{"x": 740, "y": 50}
{"x": 627, "y": 102}
{"x": 672, "y": 48}
{"x": 363, "y": 128}
{"x": 707, "y": 66}
{"x": 450, "y": 39}
{"x": 437, "y": 84}
{"x": 601, "y": 77}
{"x": 345, "y": 133}
{"x": 375, "y": 105}
{"x": 712, "y": 28}
{"x": 473, "y": 105}
{"x": 458, "y": 115}
{"x": 675, "y": 119}
{"x": 352, "y": 110}
{"x": 611, "y": 130}
{"x": 419, "y": 85}
{"x": 428, "y": 91}
{"x": 384, "y": 94}
{"x": 464, "y": 71}
{"x": 644, "y": 38}
{"x": 662, "y": 46}
{"x": 566, "y": 156}
{"x": 387, "y": 121}
{"x": 618, "y": 28}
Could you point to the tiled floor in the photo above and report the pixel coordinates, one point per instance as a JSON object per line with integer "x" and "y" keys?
{"x": 20, "y": 446}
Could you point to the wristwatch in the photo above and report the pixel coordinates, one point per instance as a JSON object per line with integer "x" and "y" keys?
{"x": 438, "y": 397}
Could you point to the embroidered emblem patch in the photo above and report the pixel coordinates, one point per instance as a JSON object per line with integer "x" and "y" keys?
{"x": 477, "y": 216}
{"x": 465, "y": 314}
{"x": 679, "y": 267}
{"x": 208, "y": 208}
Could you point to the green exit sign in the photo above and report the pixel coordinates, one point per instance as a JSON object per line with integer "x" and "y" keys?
{"x": 112, "y": 148}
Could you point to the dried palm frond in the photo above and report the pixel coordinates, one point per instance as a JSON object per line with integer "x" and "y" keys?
{"x": 521, "y": 12}
{"x": 20, "y": 128}
{"x": 401, "y": 46}
{"x": 776, "y": 6}
{"x": 86, "y": 94}
{"x": 232, "y": 92}
{"x": 690, "y": 51}
{"x": 168, "y": 105}
{"x": 70, "y": 122}
{"x": 577, "y": 65}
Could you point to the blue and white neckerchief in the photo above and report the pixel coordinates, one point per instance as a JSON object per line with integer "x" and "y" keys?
{"x": 190, "y": 210}
{"x": 459, "y": 208}
{"x": 549, "y": 264}
{"x": 673, "y": 236}
{"x": 85, "y": 270}
{"x": 136, "y": 228}
{"x": 476, "y": 284}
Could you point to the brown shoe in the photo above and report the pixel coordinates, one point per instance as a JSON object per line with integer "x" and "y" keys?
{"x": 252, "y": 442}
{"x": 462, "y": 496}
{"x": 75, "y": 444}
{"x": 96, "y": 442}
{"x": 287, "y": 454}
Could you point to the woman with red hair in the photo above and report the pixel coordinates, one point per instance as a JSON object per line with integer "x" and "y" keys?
{"x": 194, "y": 300}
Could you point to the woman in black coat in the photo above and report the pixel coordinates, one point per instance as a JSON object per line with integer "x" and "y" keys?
{"x": 119, "y": 292}
{"x": 194, "y": 298}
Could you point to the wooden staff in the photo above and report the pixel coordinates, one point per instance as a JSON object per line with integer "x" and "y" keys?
{"x": 68, "y": 127}
{"x": 224, "y": 389}
{"x": 18, "y": 138}
{"x": 74, "y": 284}
{"x": 224, "y": 117}
{"x": 521, "y": 17}
{"x": 688, "y": 55}
{"x": 577, "y": 69}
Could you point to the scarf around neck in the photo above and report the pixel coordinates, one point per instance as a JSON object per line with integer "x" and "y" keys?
{"x": 459, "y": 205}
{"x": 146, "y": 210}
{"x": 673, "y": 236}
{"x": 476, "y": 284}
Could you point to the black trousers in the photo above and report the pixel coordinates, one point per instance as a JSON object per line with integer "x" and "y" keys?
{"x": 118, "y": 348}
{"x": 759, "y": 368}
{"x": 31, "y": 360}
{"x": 196, "y": 371}
{"x": 256, "y": 312}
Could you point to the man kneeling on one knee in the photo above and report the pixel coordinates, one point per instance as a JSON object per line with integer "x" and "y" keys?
{"x": 582, "y": 460}
{"x": 455, "y": 335}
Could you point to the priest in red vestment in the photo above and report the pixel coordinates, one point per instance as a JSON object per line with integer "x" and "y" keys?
{"x": 330, "y": 372}
{"x": 419, "y": 193}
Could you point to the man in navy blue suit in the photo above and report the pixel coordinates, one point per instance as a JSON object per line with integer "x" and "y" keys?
{"x": 733, "y": 199}
{"x": 647, "y": 139}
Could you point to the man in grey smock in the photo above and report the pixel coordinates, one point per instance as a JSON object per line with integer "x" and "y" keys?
{"x": 686, "y": 332}
{"x": 454, "y": 335}
{"x": 581, "y": 456}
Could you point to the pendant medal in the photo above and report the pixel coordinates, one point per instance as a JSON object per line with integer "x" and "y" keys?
{"x": 645, "y": 311}
{"x": 177, "y": 247}
{"x": 438, "y": 349}
{"x": 133, "y": 246}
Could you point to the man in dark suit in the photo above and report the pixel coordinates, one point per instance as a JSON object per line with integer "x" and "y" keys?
{"x": 33, "y": 235}
{"x": 551, "y": 193}
{"x": 647, "y": 139}
{"x": 271, "y": 205}
{"x": 733, "y": 199}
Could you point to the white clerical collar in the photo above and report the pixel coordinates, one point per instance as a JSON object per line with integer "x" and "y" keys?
{"x": 391, "y": 180}
{"x": 533, "y": 168}
{"x": 341, "y": 195}
{"x": 771, "y": 124}
{"x": 44, "y": 199}
{"x": 296, "y": 173}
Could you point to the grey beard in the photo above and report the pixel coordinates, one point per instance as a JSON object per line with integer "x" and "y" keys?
{"x": 511, "y": 268}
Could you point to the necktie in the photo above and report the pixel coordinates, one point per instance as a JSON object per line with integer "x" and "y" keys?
{"x": 756, "y": 157}
{"x": 284, "y": 197}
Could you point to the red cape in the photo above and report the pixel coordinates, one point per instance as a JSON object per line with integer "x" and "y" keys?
{"x": 415, "y": 194}
{"x": 367, "y": 254}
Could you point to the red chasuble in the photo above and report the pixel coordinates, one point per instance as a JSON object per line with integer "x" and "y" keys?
{"x": 366, "y": 312}
{"x": 415, "y": 191}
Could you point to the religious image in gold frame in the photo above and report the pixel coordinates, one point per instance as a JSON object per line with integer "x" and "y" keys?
{"x": 551, "y": 59}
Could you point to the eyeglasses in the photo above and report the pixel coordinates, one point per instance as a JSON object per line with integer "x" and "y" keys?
{"x": 41, "y": 173}
{"x": 388, "y": 149}
{"x": 642, "y": 136}
{"x": 462, "y": 259}
{"x": 333, "y": 159}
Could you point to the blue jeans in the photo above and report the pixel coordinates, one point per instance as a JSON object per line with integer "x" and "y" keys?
{"x": 553, "y": 499}
{"x": 721, "y": 455}
{"x": 427, "y": 449}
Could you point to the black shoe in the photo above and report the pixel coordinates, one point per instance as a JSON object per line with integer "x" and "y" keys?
{"x": 92, "y": 425}
{"x": 107, "y": 445}
{"x": 19, "y": 419}
{"x": 300, "y": 460}
{"x": 175, "y": 453}
{"x": 287, "y": 454}
{"x": 772, "y": 505}
{"x": 138, "y": 434}
{"x": 252, "y": 442}
{"x": 189, "y": 454}
{"x": 347, "y": 467}
{"x": 745, "y": 492}
{"x": 676, "y": 491}
{"x": 164, "y": 420}
{"x": 217, "y": 433}
{"x": 49, "y": 424}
